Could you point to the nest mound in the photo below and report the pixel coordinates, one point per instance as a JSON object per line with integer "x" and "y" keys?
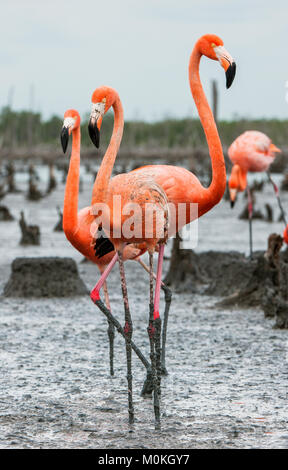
{"x": 211, "y": 272}
{"x": 5, "y": 214}
{"x": 262, "y": 281}
{"x": 44, "y": 277}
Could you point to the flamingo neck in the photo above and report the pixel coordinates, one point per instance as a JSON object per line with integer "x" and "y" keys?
{"x": 214, "y": 193}
{"x": 238, "y": 178}
{"x": 70, "y": 210}
{"x": 104, "y": 174}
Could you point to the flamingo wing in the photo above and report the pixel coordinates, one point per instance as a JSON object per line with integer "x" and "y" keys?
{"x": 103, "y": 245}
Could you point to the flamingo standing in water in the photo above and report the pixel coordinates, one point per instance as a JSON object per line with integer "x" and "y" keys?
{"x": 82, "y": 232}
{"x": 252, "y": 151}
{"x": 159, "y": 184}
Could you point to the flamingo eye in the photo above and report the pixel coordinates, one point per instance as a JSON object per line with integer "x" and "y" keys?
{"x": 213, "y": 44}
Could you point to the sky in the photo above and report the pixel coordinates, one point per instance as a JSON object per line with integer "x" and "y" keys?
{"x": 54, "y": 54}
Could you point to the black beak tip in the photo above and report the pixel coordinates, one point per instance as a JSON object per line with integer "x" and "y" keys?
{"x": 230, "y": 74}
{"x": 64, "y": 138}
{"x": 94, "y": 134}
{"x": 232, "y": 204}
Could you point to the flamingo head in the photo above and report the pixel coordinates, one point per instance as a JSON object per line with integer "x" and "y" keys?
{"x": 102, "y": 99}
{"x": 237, "y": 182}
{"x": 212, "y": 46}
{"x": 261, "y": 143}
{"x": 71, "y": 121}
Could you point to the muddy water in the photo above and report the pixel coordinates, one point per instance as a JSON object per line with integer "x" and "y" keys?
{"x": 227, "y": 382}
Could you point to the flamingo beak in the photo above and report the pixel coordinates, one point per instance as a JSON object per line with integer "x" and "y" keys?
{"x": 94, "y": 131}
{"x": 233, "y": 193}
{"x": 228, "y": 64}
{"x": 64, "y": 137}
{"x": 230, "y": 74}
{"x": 273, "y": 148}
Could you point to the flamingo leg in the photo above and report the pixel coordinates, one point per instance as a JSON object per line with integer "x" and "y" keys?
{"x": 276, "y": 191}
{"x": 157, "y": 319}
{"x": 110, "y": 331}
{"x": 95, "y": 292}
{"x": 168, "y": 298}
{"x": 250, "y": 214}
{"x": 95, "y": 297}
{"x": 128, "y": 330}
{"x": 151, "y": 333}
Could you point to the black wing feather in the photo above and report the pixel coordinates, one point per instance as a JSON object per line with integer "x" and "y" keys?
{"x": 103, "y": 245}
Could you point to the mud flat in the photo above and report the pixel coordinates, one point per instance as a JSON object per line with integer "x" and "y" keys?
{"x": 227, "y": 382}
{"x": 226, "y": 388}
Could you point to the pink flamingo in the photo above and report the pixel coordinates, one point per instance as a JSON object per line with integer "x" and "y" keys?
{"x": 252, "y": 151}
{"x": 83, "y": 233}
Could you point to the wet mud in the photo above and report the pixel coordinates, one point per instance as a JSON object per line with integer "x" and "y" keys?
{"x": 226, "y": 388}
{"x": 227, "y": 381}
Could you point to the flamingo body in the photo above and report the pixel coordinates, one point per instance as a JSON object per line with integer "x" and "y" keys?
{"x": 252, "y": 151}
{"x": 181, "y": 187}
{"x": 141, "y": 189}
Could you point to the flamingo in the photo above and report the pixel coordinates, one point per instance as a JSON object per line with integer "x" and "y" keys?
{"x": 285, "y": 235}
{"x": 81, "y": 231}
{"x": 159, "y": 184}
{"x": 252, "y": 151}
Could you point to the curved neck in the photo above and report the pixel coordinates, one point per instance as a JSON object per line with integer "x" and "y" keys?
{"x": 104, "y": 174}
{"x": 70, "y": 210}
{"x": 214, "y": 193}
{"x": 238, "y": 178}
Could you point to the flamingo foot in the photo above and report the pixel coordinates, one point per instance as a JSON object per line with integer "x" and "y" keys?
{"x": 147, "y": 388}
{"x": 164, "y": 371}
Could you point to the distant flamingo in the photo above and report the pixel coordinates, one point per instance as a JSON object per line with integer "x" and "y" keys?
{"x": 82, "y": 232}
{"x": 252, "y": 151}
{"x": 285, "y": 235}
{"x": 158, "y": 184}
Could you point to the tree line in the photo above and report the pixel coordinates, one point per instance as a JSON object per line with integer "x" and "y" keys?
{"x": 28, "y": 129}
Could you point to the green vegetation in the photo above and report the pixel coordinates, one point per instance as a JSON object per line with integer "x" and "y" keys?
{"x": 27, "y": 129}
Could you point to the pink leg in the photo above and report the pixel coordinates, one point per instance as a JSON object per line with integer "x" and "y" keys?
{"x": 95, "y": 293}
